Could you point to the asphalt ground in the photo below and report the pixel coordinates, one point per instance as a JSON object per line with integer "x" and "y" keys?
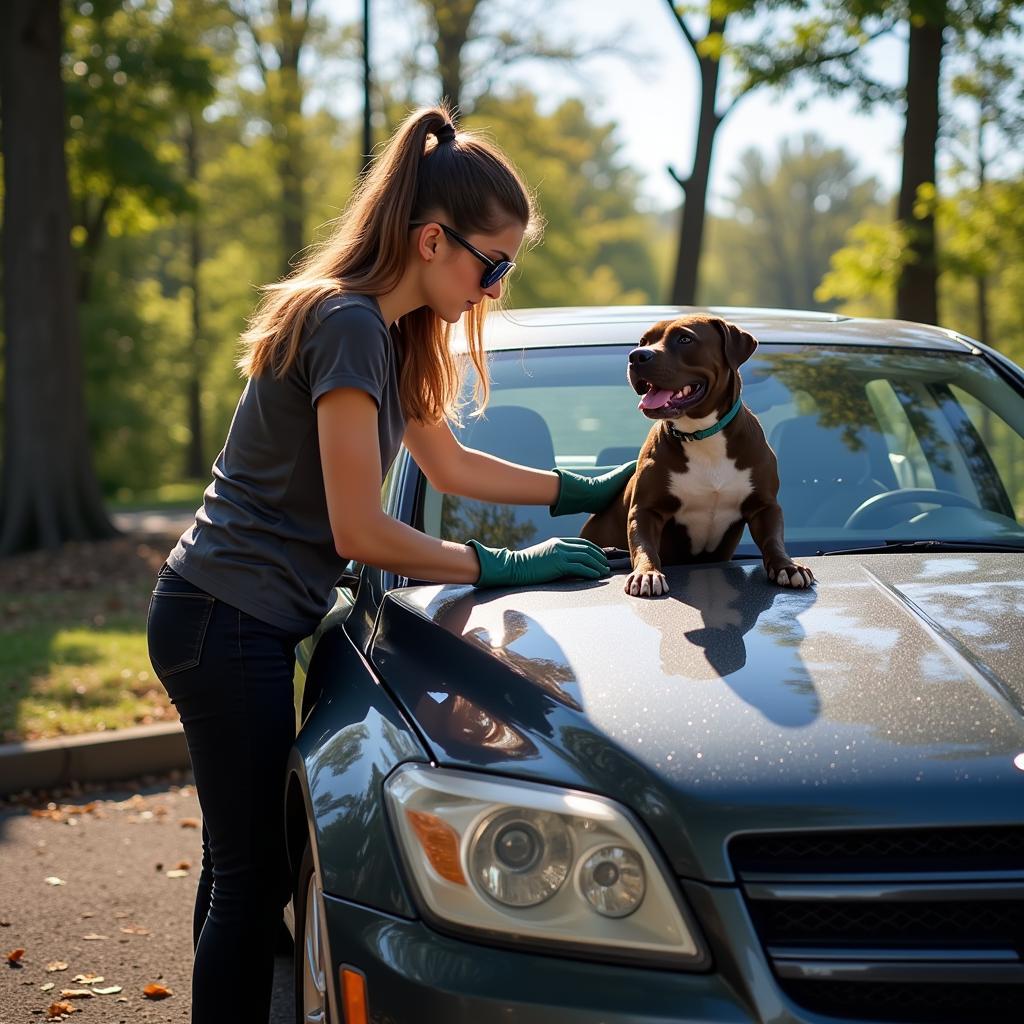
{"x": 117, "y": 914}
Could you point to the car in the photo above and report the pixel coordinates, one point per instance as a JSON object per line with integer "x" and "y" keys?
{"x": 733, "y": 803}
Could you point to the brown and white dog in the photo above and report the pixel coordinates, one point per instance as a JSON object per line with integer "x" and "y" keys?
{"x": 705, "y": 468}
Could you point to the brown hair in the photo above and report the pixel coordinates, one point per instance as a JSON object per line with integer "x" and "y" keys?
{"x": 465, "y": 178}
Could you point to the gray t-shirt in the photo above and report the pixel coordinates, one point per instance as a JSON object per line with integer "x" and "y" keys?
{"x": 262, "y": 541}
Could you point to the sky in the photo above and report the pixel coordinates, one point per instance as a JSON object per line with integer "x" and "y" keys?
{"x": 652, "y": 94}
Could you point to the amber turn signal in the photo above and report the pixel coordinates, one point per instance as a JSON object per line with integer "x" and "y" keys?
{"x": 353, "y": 996}
{"x": 440, "y": 843}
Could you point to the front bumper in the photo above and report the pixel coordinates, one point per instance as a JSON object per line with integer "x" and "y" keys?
{"x": 415, "y": 975}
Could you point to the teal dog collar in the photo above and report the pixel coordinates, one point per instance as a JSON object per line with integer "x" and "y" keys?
{"x": 699, "y": 435}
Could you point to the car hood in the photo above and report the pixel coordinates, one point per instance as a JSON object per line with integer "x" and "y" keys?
{"x": 891, "y": 694}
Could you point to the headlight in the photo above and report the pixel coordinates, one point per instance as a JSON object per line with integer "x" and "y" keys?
{"x": 537, "y": 864}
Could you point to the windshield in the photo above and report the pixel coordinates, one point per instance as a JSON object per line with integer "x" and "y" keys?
{"x": 939, "y": 434}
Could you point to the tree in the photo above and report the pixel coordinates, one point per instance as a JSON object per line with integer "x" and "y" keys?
{"x": 708, "y": 50}
{"x": 992, "y": 91}
{"x": 933, "y": 29}
{"x": 476, "y": 41}
{"x": 50, "y": 494}
{"x": 788, "y": 217}
{"x": 916, "y": 291}
{"x": 129, "y": 71}
{"x": 279, "y": 30}
{"x": 596, "y": 246}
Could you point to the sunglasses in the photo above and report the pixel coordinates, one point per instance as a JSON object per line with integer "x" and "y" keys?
{"x": 496, "y": 269}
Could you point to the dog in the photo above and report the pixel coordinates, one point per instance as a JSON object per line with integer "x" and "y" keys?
{"x": 705, "y": 468}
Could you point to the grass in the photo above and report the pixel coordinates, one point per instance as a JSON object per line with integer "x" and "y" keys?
{"x": 73, "y": 654}
{"x": 186, "y": 495}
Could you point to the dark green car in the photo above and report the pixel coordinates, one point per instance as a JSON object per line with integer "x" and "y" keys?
{"x": 734, "y": 803}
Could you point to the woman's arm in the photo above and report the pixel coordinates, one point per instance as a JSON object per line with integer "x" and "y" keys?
{"x": 453, "y": 469}
{"x": 350, "y": 457}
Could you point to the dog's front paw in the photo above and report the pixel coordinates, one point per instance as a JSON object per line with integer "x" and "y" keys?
{"x": 646, "y": 584}
{"x": 789, "y": 574}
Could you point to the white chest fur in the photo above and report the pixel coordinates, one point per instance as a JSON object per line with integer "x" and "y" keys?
{"x": 711, "y": 491}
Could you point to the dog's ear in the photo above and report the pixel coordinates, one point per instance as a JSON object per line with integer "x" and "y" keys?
{"x": 739, "y": 344}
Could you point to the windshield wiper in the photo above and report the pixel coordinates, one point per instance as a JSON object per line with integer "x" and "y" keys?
{"x": 926, "y": 545}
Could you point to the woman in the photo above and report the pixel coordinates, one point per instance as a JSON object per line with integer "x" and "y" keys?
{"x": 346, "y": 359}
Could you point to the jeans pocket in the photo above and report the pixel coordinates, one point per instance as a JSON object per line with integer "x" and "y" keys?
{"x": 176, "y": 629}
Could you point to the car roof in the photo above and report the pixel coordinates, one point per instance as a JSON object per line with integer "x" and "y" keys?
{"x": 561, "y": 326}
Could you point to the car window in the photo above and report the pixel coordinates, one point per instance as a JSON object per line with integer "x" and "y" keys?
{"x": 1004, "y": 444}
{"x": 940, "y": 433}
{"x": 906, "y": 456}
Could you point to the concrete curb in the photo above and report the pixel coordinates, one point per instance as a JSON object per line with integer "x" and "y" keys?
{"x": 92, "y": 757}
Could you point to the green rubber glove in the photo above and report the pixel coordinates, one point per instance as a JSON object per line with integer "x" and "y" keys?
{"x": 590, "y": 493}
{"x": 541, "y": 563}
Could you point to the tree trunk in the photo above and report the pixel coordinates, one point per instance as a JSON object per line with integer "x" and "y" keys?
{"x": 289, "y": 130}
{"x": 695, "y": 187}
{"x": 451, "y": 19}
{"x": 367, "y": 157}
{"x": 981, "y": 280}
{"x": 917, "y": 287}
{"x": 195, "y": 463}
{"x": 50, "y": 494}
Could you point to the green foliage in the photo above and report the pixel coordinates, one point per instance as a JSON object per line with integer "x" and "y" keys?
{"x": 129, "y": 72}
{"x": 981, "y": 235}
{"x": 828, "y": 40}
{"x": 863, "y": 274}
{"x": 136, "y": 403}
{"x": 787, "y": 219}
{"x": 595, "y": 248}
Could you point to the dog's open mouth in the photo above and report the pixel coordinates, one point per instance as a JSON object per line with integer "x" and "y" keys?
{"x": 660, "y": 400}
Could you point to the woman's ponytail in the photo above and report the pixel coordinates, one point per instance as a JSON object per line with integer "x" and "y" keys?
{"x": 428, "y": 167}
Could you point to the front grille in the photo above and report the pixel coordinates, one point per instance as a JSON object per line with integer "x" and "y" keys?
{"x": 923, "y": 926}
{"x": 928, "y": 1004}
{"x": 891, "y": 921}
{"x": 931, "y": 850}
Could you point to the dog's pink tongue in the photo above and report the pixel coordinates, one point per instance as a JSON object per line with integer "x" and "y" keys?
{"x": 655, "y": 399}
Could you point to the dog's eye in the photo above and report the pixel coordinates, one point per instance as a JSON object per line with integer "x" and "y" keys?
{"x": 681, "y": 338}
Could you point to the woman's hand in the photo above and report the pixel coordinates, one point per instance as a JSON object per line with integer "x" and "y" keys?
{"x": 578, "y": 493}
{"x": 541, "y": 563}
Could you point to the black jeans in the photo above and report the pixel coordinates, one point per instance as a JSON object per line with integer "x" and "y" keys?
{"x": 230, "y": 677}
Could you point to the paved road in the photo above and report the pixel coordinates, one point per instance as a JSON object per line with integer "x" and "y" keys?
{"x": 155, "y": 521}
{"x": 113, "y": 856}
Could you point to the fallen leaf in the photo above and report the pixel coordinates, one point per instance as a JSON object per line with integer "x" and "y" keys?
{"x": 93, "y": 935}
{"x": 183, "y": 865}
{"x": 75, "y": 993}
{"x": 51, "y": 815}
{"x": 134, "y": 929}
{"x": 56, "y": 965}
{"x": 156, "y": 992}
{"x": 190, "y": 823}
{"x": 176, "y": 873}
{"x": 88, "y": 979}
{"x": 46, "y": 987}
{"x": 54, "y": 880}
{"x": 15, "y": 955}
{"x": 108, "y": 991}
{"x": 56, "y": 1009}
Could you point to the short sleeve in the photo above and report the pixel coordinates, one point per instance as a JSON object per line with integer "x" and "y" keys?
{"x": 349, "y": 347}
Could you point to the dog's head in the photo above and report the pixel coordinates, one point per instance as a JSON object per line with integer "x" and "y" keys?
{"x": 688, "y": 366}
